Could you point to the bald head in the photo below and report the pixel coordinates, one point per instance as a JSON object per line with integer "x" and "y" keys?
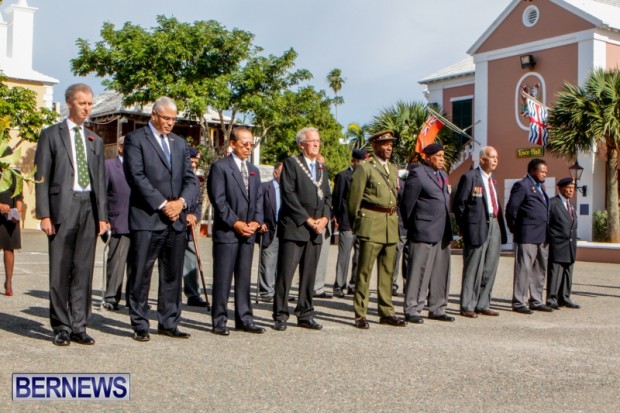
{"x": 488, "y": 159}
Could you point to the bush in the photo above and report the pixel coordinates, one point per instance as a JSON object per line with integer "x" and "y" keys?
{"x": 601, "y": 233}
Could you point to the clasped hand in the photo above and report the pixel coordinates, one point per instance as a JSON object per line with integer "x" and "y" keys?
{"x": 317, "y": 225}
{"x": 246, "y": 229}
{"x": 173, "y": 209}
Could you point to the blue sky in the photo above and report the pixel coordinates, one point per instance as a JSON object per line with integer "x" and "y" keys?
{"x": 382, "y": 47}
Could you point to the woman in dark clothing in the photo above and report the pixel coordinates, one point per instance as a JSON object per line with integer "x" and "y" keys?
{"x": 10, "y": 236}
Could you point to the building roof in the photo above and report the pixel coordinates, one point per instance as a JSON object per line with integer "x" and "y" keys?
{"x": 27, "y": 75}
{"x": 111, "y": 103}
{"x": 462, "y": 68}
{"x": 604, "y": 14}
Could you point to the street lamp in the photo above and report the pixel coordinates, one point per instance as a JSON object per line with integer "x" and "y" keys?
{"x": 575, "y": 172}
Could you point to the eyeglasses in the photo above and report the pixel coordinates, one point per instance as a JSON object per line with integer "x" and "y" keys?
{"x": 166, "y": 118}
{"x": 245, "y": 144}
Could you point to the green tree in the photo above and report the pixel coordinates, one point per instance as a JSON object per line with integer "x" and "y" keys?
{"x": 293, "y": 111}
{"x": 24, "y": 114}
{"x": 589, "y": 116}
{"x": 335, "y": 81}
{"x": 199, "y": 65}
{"x": 356, "y": 135}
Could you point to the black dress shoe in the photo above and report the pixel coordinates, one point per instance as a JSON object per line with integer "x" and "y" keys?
{"x": 522, "y": 310}
{"x": 441, "y": 317}
{"x": 196, "y": 302}
{"x": 291, "y": 299}
{"x": 324, "y": 295}
{"x": 541, "y": 307}
{"x": 111, "y": 306}
{"x": 361, "y": 323}
{"x": 395, "y": 292}
{"x": 393, "y": 320}
{"x": 265, "y": 299}
{"x": 82, "y": 338}
{"x": 554, "y": 306}
{"x": 253, "y": 328}
{"x": 175, "y": 333}
{"x": 350, "y": 291}
{"x": 280, "y": 325}
{"x": 338, "y": 293}
{"x": 141, "y": 335}
{"x": 415, "y": 319}
{"x": 62, "y": 339}
{"x": 221, "y": 331}
{"x": 311, "y": 324}
{"x": 570, "y": 304}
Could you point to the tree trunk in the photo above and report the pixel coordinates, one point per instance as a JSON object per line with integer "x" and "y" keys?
{"x": 613, "y": 223}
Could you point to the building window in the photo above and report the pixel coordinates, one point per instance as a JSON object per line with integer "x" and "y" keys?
{"x": 462, "y": 113}
{"x": 530, "y": 16}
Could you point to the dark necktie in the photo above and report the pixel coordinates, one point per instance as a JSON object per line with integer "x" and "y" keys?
{"x": 164, "y": 147}
{"x": 493, "y": 198}
{"x": 244, "y": 175}
{"x": 80, "y": 155}
{"x": 439, "y": 178}
{"x": 570, "y": 210}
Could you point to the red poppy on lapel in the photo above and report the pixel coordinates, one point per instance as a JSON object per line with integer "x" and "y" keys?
{"x": 90, "y": 138}
{"x": 320, "y": 167}
{"x": 252, "y": 173}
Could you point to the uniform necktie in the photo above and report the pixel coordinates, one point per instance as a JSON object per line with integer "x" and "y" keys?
{"x": 164, "y": 147}
{"x": 439, "y": 179}
{"x": 82, "y": 165}
{"x": 244, "y": 175}
{"x": 493, "y": 198}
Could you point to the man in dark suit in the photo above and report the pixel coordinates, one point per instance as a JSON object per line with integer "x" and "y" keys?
{"x": 234, "y": 190}
{"x": 481, "y": 221}
{"x": 159, "y": 173}
{"x": 426, "y": 214}
{"x": 562, "y": 246}
{"x": 372, "y": 204}
{"x": 269, "y": 240}
{"x": 191, "y": 288}
{"x": 346, "y": 239}
{"x": 305, "y": 212}
{"x": 72, "y": 207}
{"x": 118, "y": 193}
{"x": 527, "y": 216}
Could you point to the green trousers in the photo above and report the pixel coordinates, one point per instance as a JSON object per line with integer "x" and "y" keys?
{"x": 384, "y": 255}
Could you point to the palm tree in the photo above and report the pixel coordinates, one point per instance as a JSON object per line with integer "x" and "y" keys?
{"x": 356, "y": 135}
{"x": 335, "y": 80}
{"x": 589, "y": 116}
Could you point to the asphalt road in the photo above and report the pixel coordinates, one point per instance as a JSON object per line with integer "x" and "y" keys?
{"x": 568, "y": 360}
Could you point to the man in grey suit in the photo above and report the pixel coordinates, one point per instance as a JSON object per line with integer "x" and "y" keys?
{"x": 118, "y": 193}
{"x": 269, "y": 240}
{"x": 159, "y": 172}
{"x": 481, "y": 221}
{"x": 426, "y": 214}
{"x": 346, "y": 239}
{"x": 562, "y": 246}
{"x": 72, "y": 207}
{"x": 527, "y": 216}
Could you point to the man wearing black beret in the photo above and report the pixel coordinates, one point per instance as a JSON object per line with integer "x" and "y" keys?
{"x": 425, "y": 213}
{"x": 562, "y": 246}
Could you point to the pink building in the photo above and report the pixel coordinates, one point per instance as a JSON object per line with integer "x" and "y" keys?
{"x": 566, "y": 39}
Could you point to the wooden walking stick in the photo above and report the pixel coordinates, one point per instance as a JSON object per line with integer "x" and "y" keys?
{"x": 202, "y": 275}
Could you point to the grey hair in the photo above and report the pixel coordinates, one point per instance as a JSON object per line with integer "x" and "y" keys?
{"x": 75, "y": 88}
{"x": 483, "y": 151}
{"x": 301, "y": 135}
{"x": 164, "y": 102}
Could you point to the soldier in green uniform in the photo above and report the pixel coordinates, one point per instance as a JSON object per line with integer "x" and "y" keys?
{"x": 373, "y": 211}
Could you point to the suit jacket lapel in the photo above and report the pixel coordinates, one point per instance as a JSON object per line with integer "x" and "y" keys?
{"x": 480, "y": 182}
{"x": 65, "y": 137}
{"x": 153, "y": 140}
{"x": 236, "y": 173}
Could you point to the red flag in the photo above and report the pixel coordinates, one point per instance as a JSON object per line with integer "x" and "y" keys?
{"x": 429, "y": 132}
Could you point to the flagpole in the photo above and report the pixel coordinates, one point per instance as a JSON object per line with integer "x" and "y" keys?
{"x": 453, "y": 127}
{"x": 528, "y": 96}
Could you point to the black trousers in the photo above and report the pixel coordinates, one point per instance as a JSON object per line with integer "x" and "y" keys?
{"x": 167, "y": 247}
{"x": 291, "y": 254}
{"x": 229, "y": 260}
{"x": 71, "y": 261}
